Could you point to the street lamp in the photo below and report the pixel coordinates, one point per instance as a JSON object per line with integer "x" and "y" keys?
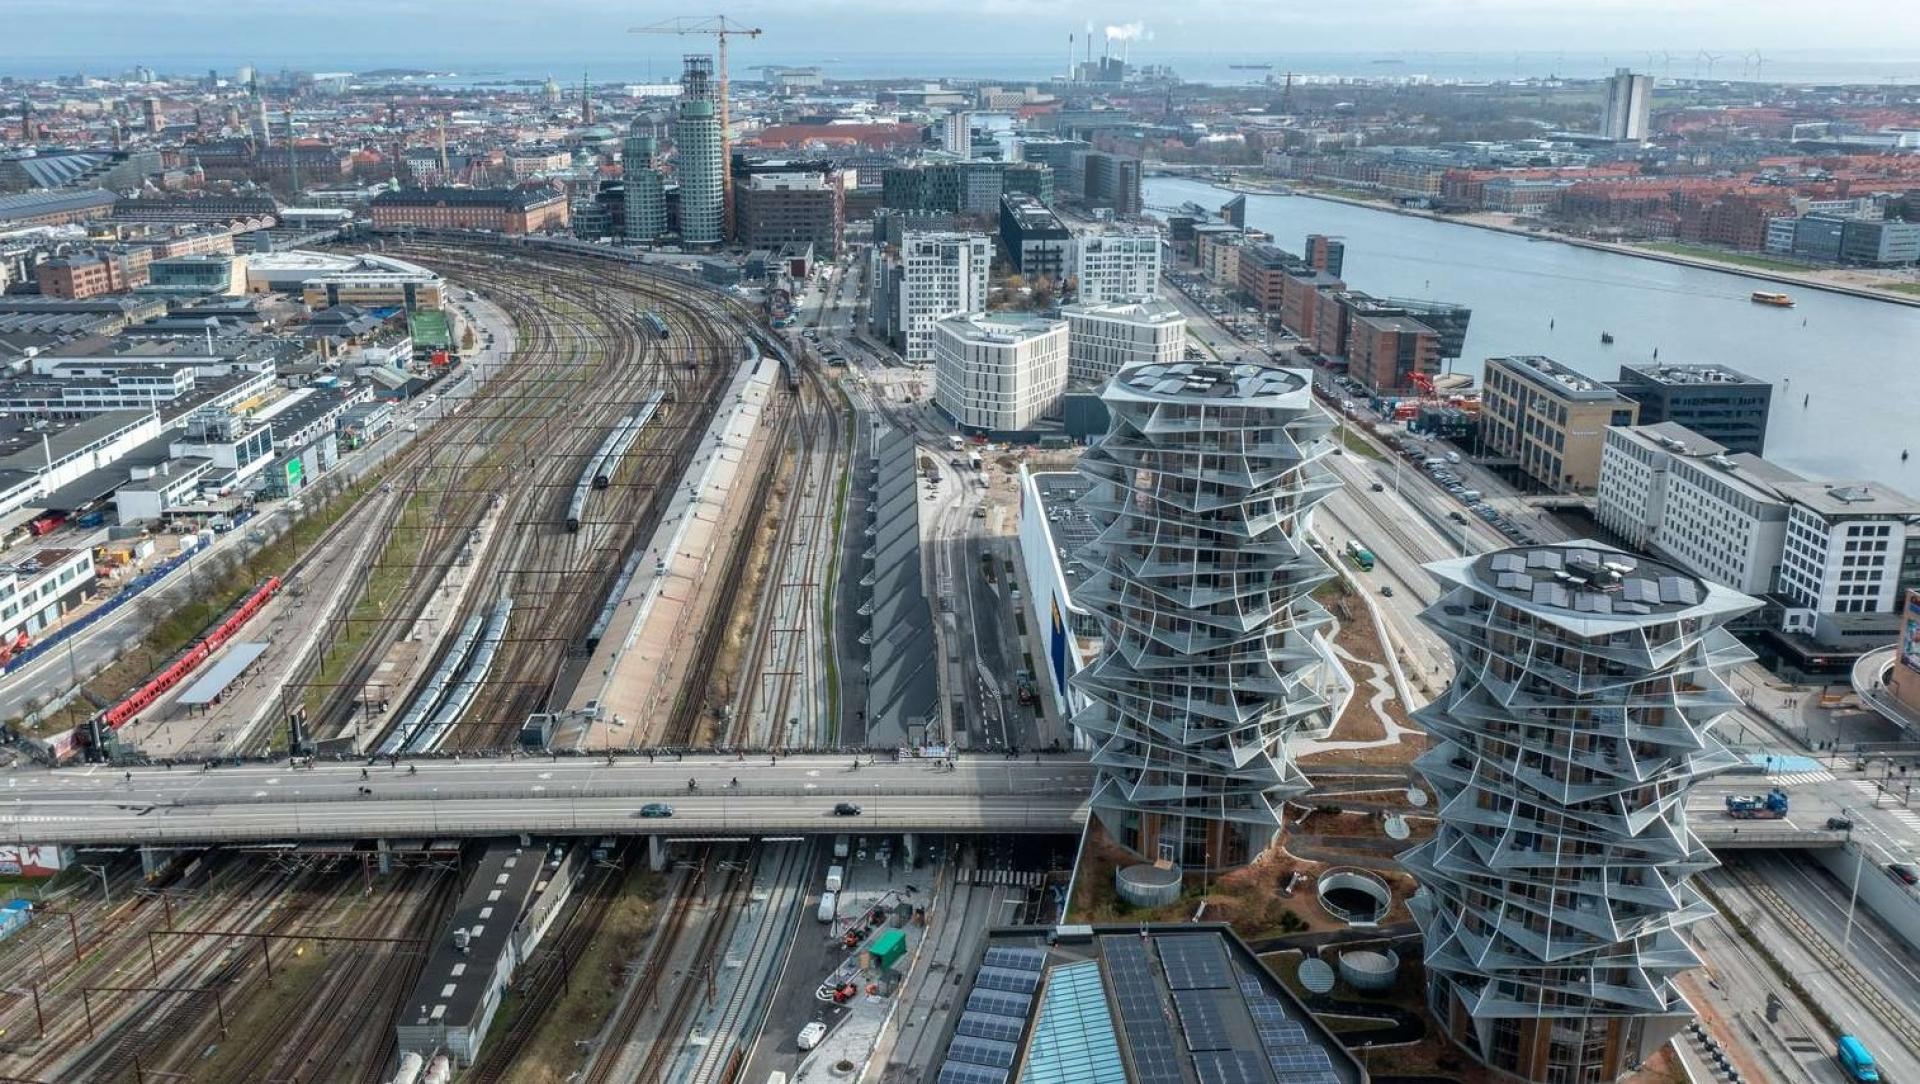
{"x": 1853, "y": 894}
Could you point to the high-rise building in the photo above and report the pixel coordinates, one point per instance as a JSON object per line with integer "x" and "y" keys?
{"x": 779, "y": 204}
{"x": 998, "y": 372}
{"x": 1112, "y": 180}
{"x": 1555, "y": 890}
{"x": 1215, "y": 652}
{"x": 646, "y": 196}
{"x": 1104, "y": 339}
{"x": 941, "y": 274}
{"x": 1629, "y": 104}
{"x": 956, "y": 133}
{"x": 1116, "y": 263}
{"x": 1038, "y": 244}
{"x": 1327, "y": 254}
{"x": 700, "y": 156}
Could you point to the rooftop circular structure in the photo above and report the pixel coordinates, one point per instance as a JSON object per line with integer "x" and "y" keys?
{"x": 1368, "y": 970}
{"x": 1316, "y": 975}
{"x": 1354, "y": 895}
{"x": 1192, "y": 381}
{"x": 1146, "y": 885}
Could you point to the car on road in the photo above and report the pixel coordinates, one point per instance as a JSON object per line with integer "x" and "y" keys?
{"x": 1903, "y": 873}
{"x": 1377, "y": 487}
{"x": 656, "y": 809}
{"x": 811, "y": 1035}
{"x": 1839, "y": 824}
{"x": 1387, "y": 590}
{"x": 846, "y": 809}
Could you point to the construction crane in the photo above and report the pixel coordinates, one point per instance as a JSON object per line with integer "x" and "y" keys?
{"x": 720, "y": 28}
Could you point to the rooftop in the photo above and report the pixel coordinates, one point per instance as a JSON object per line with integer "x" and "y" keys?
{"x": 455, "y": 983}
{"x": 1849, "y": 499}
{"x": 1069, "y": 527}
{"x": 516, "y": 199}
{"x": 1152, "y": 311}
{"x": 1148, "y": 1004}
{"x": 999, "y": 327}
{"x": 1687, "y": 375}
{"x": 1588, "y": 581}
{"x": 1198, "y": 381}
{"x": 1555, "y": 378}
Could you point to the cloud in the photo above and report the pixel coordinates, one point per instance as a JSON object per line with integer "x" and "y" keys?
{"x": 1134, "y": 31}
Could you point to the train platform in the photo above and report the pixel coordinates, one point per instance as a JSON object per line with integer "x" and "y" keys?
{"x": 630, "y": 683}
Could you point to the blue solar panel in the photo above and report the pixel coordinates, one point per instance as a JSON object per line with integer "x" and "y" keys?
{"x": 1016, "y": 958}
{"x": 1202, "y": 1020}
{"x": 989, "y": 1052}
{"x": 1143, "y": 1016}
{"x": 1195, "y": 962}
{"x": 1006, "y": 979}
{"x": 998, "y": 1002}
{"x": 1230, "y": 1067}
{"x": 986, "y": 1025}
{"x": 1299, "y": 1059}
{"x": 960, "y": 1072}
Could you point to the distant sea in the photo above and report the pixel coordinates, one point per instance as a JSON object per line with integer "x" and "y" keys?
{"x": 1871, "y": 68}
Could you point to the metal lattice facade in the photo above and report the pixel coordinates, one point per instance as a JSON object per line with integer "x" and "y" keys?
{"x": 1201, "y": 574}
{"x": 1555, "y": 890}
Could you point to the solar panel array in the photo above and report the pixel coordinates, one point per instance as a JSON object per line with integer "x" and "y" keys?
{"x": 1195, "y": 962}
{"x": 1589, "y": 581}
{"x": 1283, "y": 1039}
{"x": 1230, "y": 1067}
{"x": 1142, "y": 1017}
{"x": 987, "y": 1038}
{"x": 1203, "y": 1020}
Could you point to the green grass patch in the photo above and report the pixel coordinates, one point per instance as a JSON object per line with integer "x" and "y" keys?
{"x": 1355, "y": 444}
{"x": 1721, "y": 255}
{"x": 1902, "y": 287}
{"x": 841, "y": 488}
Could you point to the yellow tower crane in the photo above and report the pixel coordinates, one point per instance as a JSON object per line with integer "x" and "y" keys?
{"x": 720, "y": 28}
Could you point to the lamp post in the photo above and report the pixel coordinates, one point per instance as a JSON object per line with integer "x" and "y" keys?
{"x": 1853, "y": 894}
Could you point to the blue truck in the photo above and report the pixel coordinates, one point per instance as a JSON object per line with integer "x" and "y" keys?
{"x": 1855, "y": 1060}
{"x": 1771, "y": 806}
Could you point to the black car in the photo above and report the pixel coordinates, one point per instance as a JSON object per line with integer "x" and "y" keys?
{"x": 1903, "y": 873}
{"x": 846, "y": 809}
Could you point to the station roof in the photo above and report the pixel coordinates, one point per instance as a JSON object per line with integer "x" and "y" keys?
{"x": 221, "y": 674}
{"x": 455, "y": 984}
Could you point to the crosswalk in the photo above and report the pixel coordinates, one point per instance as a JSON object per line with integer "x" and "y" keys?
{"x": 1792, "y": 779}
{"x": 1870, "y": 789}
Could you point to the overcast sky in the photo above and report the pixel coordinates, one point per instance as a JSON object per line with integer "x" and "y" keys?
{"x": 565, "y": 33}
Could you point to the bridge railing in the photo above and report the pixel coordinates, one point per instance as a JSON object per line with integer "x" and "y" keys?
{"x": 825, "y": 793}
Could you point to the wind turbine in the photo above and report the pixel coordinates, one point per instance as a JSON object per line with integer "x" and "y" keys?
{"x": 1759, "y": 64}
{"x": 1711, "y": 59}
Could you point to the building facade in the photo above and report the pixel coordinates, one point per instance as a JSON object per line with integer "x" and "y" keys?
{"x": 646, "y": 195}
{"x": 797, "y": 207}
{"x": 512, "y": 211}
{"x": 940, "y": 275}
{"x": 998, "y": 372}
{"x": 1115, "y": 265}
{"x": 1551, "y": 421}
{"x": 1629, "y": 106}
{"x": 1555, "y": 892}
{"x": 1727, "y": 407}
{"x": 1200, "y": 572}
{"x": 1104, "y": 339}
{"x": 1385, "y": 353}
{"x": 700, "y": 156}
{"x": 1038, "y": 244}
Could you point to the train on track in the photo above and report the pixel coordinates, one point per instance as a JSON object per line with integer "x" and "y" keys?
{"x": 605, "y": 462}
{"x": 653, "y": 323}
{"x": 451, "y": 690}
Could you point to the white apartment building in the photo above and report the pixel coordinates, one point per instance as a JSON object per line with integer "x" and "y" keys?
{"x": 1843, "y": 553}
{"x": 1668, "y": 491}
{"x": 999, "y": 372}
{"x": 1103, "y": 339}
{"x": 1831, "y": 552}
{"x": 942, "y": 274}
{"x": 1116, "y": 263}
{"x": 36, "y": 588}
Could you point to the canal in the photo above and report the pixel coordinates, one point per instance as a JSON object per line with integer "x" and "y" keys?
{"x": 1846, "y": 371}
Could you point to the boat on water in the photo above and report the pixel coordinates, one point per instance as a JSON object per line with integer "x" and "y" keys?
{"x": 1606, "y": 337}
{"x": 1767, "y": 297}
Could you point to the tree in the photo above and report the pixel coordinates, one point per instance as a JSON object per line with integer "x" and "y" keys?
{"x": 466, "y": 338}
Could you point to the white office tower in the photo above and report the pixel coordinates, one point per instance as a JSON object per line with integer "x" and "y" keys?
{"x": 942, "y": 274}
{"x": 1104, "y": 339}
{"x": 1116, "y": 263}
{"x": 998, "y": 372}
{"x": 699, "y": 157}
{"x": 646, "y": 197}
{"x": 956, "y": 133}
{"x": 1215, "y": 652}
{"x": 1629, "y": 106}
{"x": 1555, "y": 890}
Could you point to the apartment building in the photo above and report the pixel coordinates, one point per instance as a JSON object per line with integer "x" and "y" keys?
{"x": 1103, "y": 339}
{"x": 1117, "y": 263}
{"x": 1724, "y": 405}
{"x": 940, "y": 275}
{"x": 998, "y": 372}
{"x": 1038, "y": 244}
{"x": 1550, "y": 420}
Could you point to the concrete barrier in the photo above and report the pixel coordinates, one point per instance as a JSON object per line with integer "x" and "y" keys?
{"x": 1895, "y": 904}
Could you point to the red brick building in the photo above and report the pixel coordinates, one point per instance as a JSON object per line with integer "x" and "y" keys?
{"x": 90, "y": 274}
{"x": 1384, "y": 352}
{"x": 1300, "y": 298}
{"x": 511, "y": 211}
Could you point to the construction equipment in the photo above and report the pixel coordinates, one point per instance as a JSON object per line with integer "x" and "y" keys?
{"x": 720, "y": 28}
{"x": 1771, "y": 806}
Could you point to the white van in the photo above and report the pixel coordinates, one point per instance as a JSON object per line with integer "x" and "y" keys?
{"x": 836, "y": 875}
{"x": 827, "y": 906}
{"x": 839, "y": 846}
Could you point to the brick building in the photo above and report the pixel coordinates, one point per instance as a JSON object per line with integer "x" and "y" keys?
{"x": 1386, "y": 352}
{"x": 90, "y": 274}
{"x": 502, "y": 210}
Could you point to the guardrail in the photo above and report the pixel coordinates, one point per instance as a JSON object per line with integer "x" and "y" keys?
{"x": 552, "y": 792}
{"x": 1743, "y": 837}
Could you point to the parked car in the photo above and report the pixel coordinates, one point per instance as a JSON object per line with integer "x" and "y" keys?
{"x": 811, "y": 1035}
